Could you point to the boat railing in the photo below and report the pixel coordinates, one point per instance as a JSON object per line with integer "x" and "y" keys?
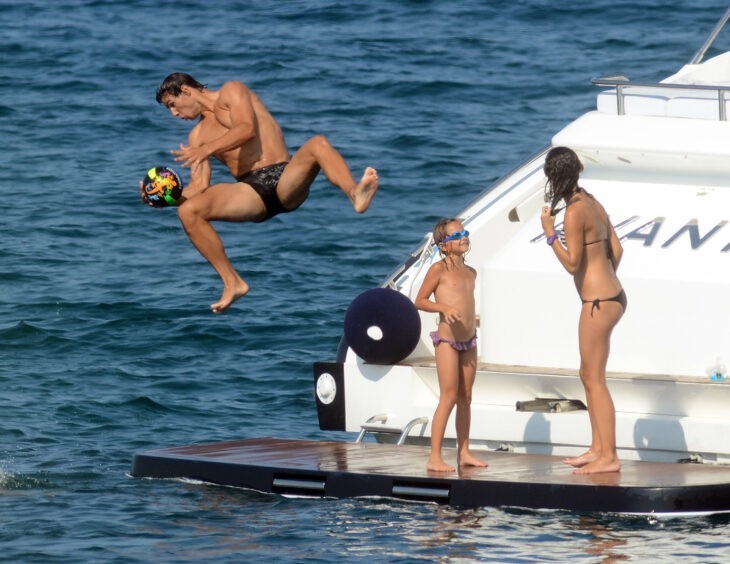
{"x": 621, "y": 83}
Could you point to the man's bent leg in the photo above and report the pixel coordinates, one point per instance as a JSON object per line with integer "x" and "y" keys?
{"x": 317, "y": 153}
{"x": 195, "y": 215}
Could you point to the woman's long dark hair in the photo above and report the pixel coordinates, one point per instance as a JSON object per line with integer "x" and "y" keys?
{"x": 562, "y": 169}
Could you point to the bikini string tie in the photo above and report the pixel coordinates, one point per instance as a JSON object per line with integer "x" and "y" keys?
{"x": 595, "y": 304}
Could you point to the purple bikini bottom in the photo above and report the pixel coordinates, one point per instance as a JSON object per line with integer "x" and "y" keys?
{"x": 456, "y": 345}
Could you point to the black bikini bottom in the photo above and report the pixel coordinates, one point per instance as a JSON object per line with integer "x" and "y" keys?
{"x": 619, "y": 298}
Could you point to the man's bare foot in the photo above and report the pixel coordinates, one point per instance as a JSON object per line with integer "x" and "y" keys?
{"x": 600, "y": 465}
{"x": 581, "y": 460}
{"x": 438, "y": 465}
{"x": 365, "y": 190}
{"x": 229, "y": 295}
{"x": 470, "y": 460}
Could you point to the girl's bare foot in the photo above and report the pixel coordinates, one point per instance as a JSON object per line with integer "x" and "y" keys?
{"x": 365, "y": 190}
{"x": 230, "y": 294}
{"x": 600, "y": 465}
{"x": 438, "y": 465}
{"x": 581, "y": 460}
{"x": 469, "y": 459}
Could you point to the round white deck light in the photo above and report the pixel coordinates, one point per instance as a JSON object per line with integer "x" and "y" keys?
{"x": 375, "y": 333}
{"x": 326, "y": 388}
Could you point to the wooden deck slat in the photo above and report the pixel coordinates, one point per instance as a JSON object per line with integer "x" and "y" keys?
{"x": 525, "y": 480}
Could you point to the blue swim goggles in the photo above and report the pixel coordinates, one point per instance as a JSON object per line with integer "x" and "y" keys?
{"x": 455, "y": 236}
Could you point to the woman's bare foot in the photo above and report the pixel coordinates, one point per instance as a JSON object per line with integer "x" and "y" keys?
{"x": 230, "y": 294}
{"x": 581, "y": 460}
{"x": 437, "y": 464}
{"x": 365, "y": 190}
{"x": 599, "y": 465}
{"x": 469, "y": 459}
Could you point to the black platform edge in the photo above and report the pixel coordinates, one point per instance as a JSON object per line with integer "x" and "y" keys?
{"x": 455, "y": 491}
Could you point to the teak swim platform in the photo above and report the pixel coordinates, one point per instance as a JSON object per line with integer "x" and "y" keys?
{"x": 361, "y": 469}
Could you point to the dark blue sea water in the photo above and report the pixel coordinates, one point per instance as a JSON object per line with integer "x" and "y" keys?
{"x": 107, "y": 345}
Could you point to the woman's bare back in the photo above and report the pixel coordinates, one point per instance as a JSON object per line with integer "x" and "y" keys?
{"x": 596, "y": 277}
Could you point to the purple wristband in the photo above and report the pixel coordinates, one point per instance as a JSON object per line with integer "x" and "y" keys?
{"x": 552, "y": 239}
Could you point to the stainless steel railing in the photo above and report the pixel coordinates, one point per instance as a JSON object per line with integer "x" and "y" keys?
{"x": 621, "y": 83}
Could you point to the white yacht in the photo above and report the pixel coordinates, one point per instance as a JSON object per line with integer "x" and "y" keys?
{"x": 657, "y": 156}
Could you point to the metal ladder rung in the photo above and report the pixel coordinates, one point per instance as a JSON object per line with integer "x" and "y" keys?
{"x": 380, "y": 429}
{"x": 372, "y": 426}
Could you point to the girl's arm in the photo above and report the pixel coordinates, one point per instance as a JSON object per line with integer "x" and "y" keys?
{"x": 571, "y": 255}
{"x": 428, "y": 287}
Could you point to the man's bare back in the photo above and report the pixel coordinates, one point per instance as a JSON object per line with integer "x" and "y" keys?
{"x": 236, "y": 128}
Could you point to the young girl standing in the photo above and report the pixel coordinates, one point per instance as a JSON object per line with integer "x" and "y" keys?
{"x": 451, "y": 282}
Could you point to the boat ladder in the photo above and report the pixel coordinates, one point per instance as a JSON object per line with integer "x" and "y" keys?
{"x": 376, "y": 424}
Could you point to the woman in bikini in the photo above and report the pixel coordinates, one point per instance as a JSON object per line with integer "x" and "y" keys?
{"x": 591, "y": 254}
{"x": 451, "y": 282}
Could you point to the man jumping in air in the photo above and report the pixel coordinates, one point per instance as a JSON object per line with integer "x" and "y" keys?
{"x": 235, "y": 127}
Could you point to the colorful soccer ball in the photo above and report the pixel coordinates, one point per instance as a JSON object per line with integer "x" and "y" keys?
{"x": 161, "y": 187}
